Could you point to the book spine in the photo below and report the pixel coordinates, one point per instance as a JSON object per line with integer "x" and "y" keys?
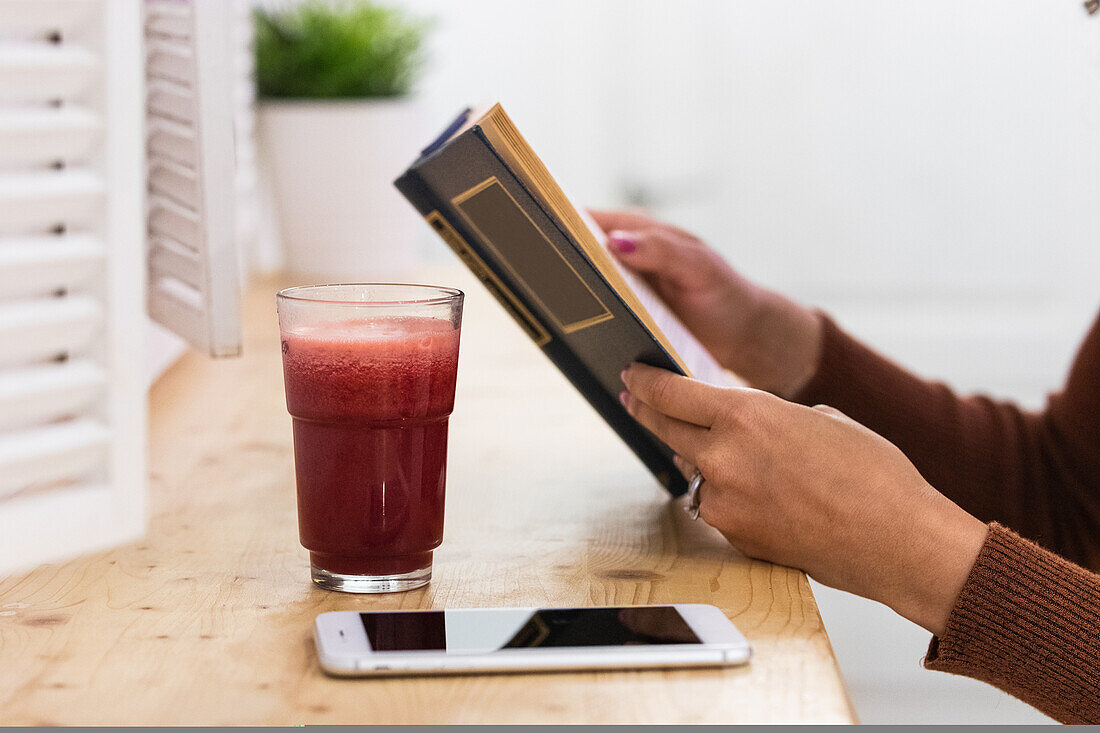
{"x": 453, "y": 231}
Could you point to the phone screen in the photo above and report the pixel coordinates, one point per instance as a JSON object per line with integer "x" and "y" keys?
{"x": 479, "y": 632}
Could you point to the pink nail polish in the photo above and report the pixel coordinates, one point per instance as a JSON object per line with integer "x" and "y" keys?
{"x": 622, "y": 242}
{"x": 624, "y": 398}
{"x": 622, "y": 376}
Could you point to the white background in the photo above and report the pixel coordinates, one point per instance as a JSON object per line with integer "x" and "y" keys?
{"x": 927, "y": 172}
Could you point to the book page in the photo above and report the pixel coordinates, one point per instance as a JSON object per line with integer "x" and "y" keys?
{"x": 701, "y": 365}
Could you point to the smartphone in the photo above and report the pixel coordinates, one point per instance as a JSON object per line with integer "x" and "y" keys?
{"x": 354, "y": 644}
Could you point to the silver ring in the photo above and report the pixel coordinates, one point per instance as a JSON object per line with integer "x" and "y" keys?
{"x": 694, "y": 484}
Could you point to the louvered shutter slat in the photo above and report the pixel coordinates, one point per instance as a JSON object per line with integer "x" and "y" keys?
{"x": 39, "y": 265}
{"x": 39, "y": 201}
{"x": 30, "y": 135}
{"x": 169, "y": 19}
{"x": 172, "y": 141}
{"x": 170, "y": 99}
{"x": 171, "y": 60}
{"x": 48, "y": 393}
{"x": 34, "y": 71}
{"x": 47, "y": 328}
{"x": 175, "y": 182}
{"x": 169, "y": 219}
{"x": 171, "y": 259}
{"x": 173, "y": 301}
{"x": 40, "y": 16}
{"x": 48, "y": 455}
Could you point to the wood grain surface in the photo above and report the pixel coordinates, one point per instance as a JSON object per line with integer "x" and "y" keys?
{"x": 208, "y": 619}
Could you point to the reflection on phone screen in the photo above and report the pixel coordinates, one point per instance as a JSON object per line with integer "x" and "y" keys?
{"x": 480, "y": 632}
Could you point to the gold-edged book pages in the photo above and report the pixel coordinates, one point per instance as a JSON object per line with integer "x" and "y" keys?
{"x": 662, "y": 323}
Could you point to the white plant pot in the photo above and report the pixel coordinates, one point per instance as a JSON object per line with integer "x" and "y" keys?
{"x": 331, "y": 166}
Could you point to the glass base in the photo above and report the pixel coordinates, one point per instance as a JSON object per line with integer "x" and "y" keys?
{"x": 392, "y": 583}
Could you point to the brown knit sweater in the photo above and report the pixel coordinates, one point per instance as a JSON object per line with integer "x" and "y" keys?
{"x": 1027, "y": 620}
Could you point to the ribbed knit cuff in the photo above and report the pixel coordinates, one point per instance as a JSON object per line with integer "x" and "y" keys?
{"x": 850, "y": 376}
{"x": 1028, "y": 622}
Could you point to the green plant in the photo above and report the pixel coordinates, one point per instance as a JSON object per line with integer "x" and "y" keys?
{"x": 323, "y": 51}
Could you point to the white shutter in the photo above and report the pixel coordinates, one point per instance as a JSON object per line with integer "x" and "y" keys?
{"x": 72, "y": 449}
{"x": 191, "y": 73}
{"x": 248, "y": 215}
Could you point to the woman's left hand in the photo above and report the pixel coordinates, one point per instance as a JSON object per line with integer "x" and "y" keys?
{"x": 812, "y": 489}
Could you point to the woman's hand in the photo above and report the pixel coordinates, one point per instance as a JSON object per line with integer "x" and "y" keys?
{"x": 810, "y": 488}
{"x": 767, "y": 339}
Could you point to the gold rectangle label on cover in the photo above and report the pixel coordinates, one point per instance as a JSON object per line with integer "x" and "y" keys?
{"x": 503, "y": 295}
{"x": 530, "y": 256}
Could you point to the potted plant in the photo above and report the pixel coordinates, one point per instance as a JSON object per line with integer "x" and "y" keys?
{"x": 335, "y": 125}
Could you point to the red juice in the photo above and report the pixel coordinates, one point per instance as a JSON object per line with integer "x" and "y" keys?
{"x": 370, "y": 400}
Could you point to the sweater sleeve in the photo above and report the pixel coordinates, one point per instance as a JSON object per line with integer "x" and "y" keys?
{"x": 1028, "y": 622}
{"x": 1038, "y": 473}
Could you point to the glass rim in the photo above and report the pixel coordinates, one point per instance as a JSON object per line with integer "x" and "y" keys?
{"x": 441, "y": 294}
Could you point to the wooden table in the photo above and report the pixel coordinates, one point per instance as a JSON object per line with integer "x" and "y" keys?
{"x": 208, "y": 619}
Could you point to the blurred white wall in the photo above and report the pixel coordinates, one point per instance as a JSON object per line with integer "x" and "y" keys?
{"x": 928, "y": 172}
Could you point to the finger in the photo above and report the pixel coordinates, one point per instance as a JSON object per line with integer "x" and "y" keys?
{"x": 622, "y": 219}
{"x": 634, "y": 219}
{"x": 682, "y": 437}
{"x": 653, "y": 251}
{"x": 674, "y": 395}
{"x": 832, "y": 412}
{"x": 683, "y": 466}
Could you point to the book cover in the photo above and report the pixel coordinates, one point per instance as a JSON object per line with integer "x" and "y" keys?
{"x": 502, "y": 231}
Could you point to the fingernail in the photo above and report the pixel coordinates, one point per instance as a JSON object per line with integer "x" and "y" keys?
{"x": 622, "y": 242}
{"x": 624, "y": 398}
{"x": 622, "y": 375}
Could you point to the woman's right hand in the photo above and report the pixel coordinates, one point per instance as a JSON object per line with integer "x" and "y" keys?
{"x": 767, "y": 339}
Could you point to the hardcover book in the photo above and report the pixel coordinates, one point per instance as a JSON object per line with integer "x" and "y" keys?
{"x": 487, "y": 194}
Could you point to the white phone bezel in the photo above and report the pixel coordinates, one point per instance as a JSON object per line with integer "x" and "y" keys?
{"x": 344, "y": 650}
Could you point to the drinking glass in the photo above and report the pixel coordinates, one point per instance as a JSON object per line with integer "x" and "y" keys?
{"x": 369, "y": 371}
